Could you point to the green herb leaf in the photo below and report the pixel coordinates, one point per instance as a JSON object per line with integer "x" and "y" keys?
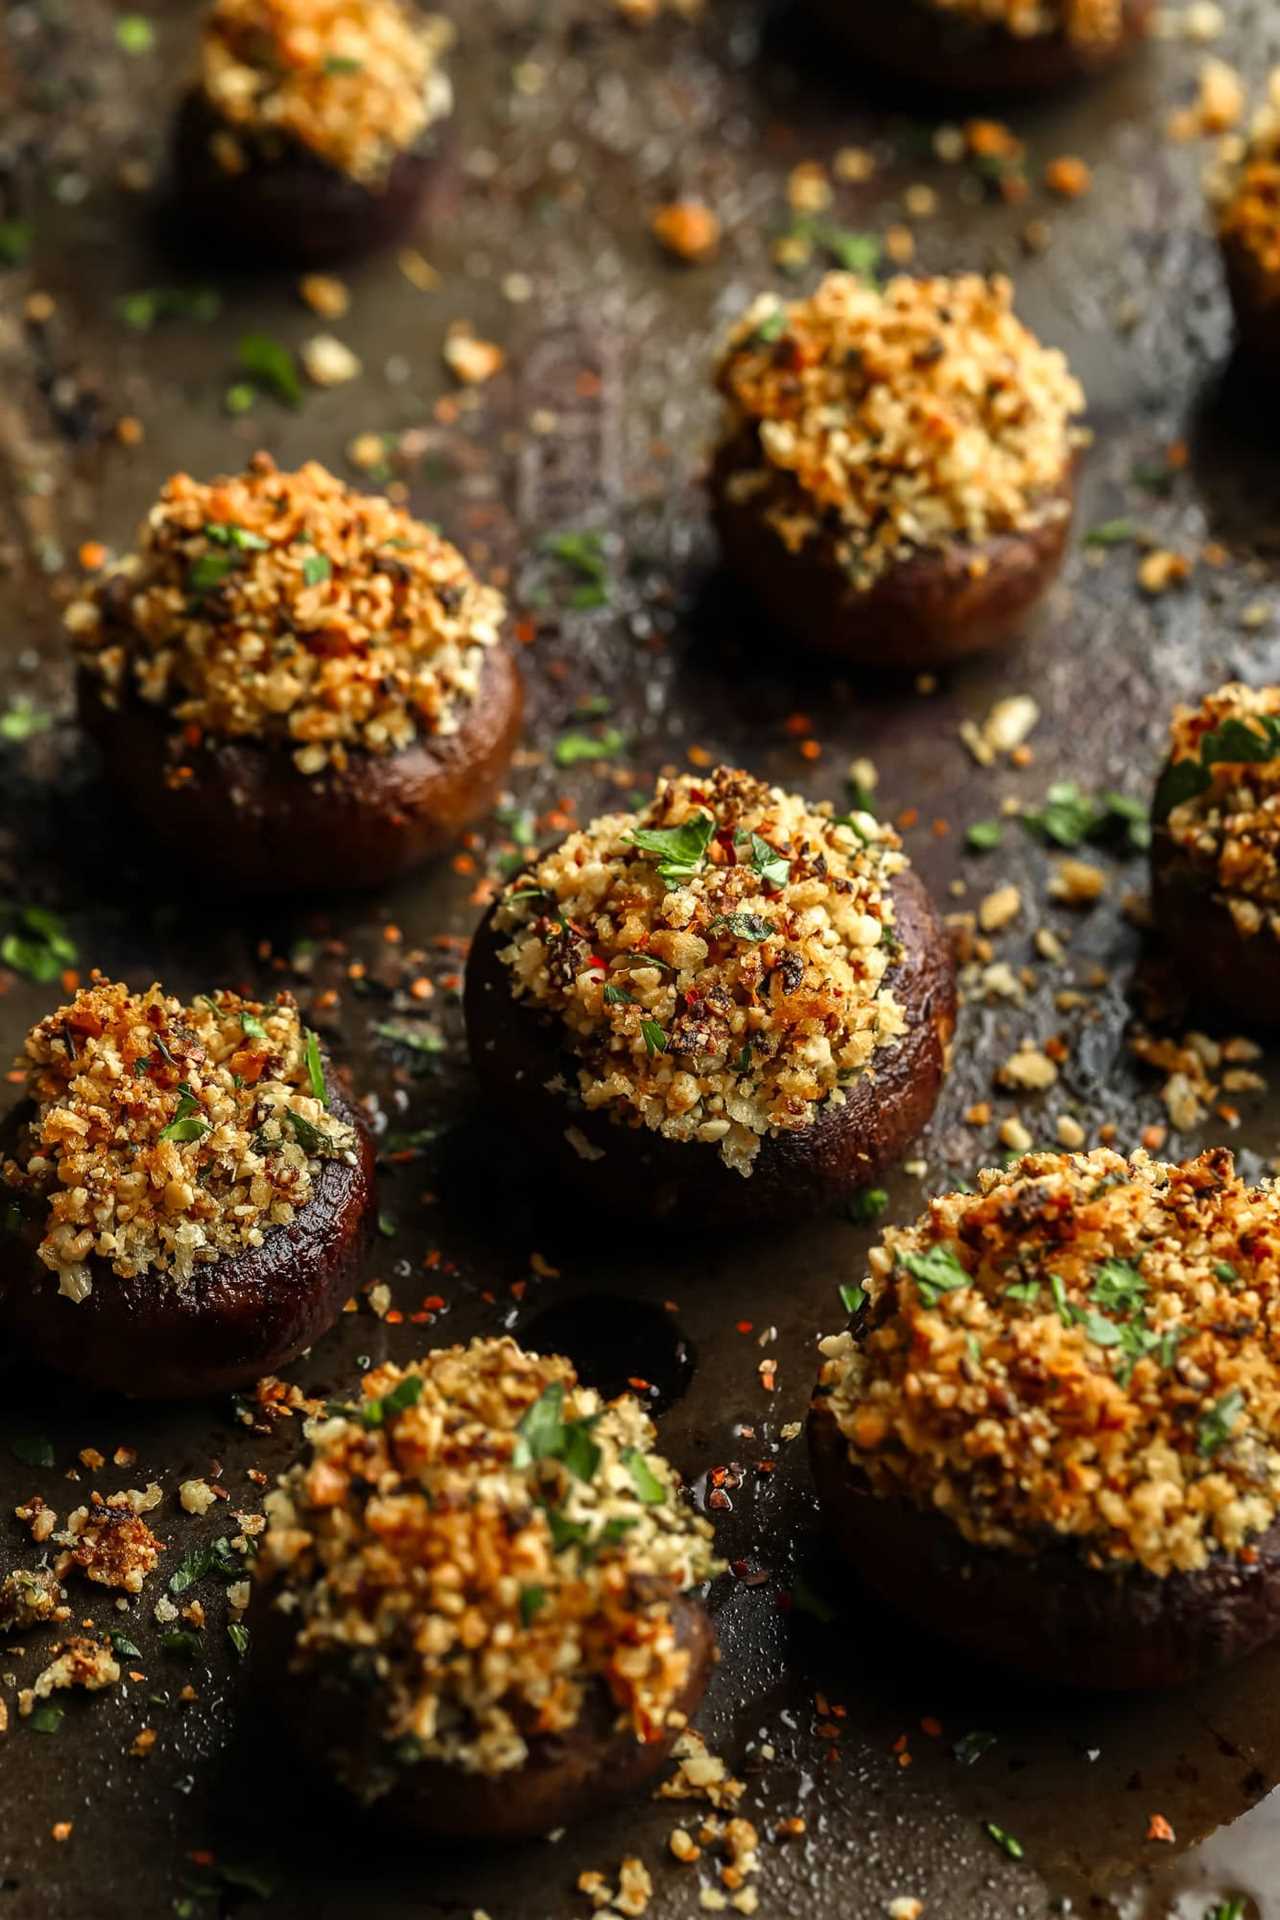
{"x": 1119, "y": 1287}
{"x": 1014, "y": 1848}
{"x": 565, "y": 1532}
{"x": 743, "y": 926}
{"x": 772, "y": 327}
{"x": 971, "y": 1746}
{"x": 225, "y": 533}
{"x": 146, "y": 308}
{"x": 1215, "y": 1426}
{"x": 16, "y": 237}
{"x": 645, "y": 1481}
{"x": 1024, "y": 1290}
{"x": 406, "y": 1393}
{"x": 187, "y": 1123}
{"x": 309, "y": 1138}
{"x": 134, "y": 33}
{"x": 935, "y": 1272}
{"x": 1067, "y": 817}
{"x": 617, "y": 997}
{"x": 1224, "y": 1271}
{"x": 388, "y": 1226}
{"x": 209, "y": 1556}
{"x": 655, "y": 1038}
{"x": 1103, "y": 1332}
{"x": 271, "y": 367}
{"x": 1067, "y": 1313}
{"x": 38, "y": 948}
{"x": 1112, "y": 533}
{"x": 773, "y": 867}
{"x": 540, "y": 1432}
{"x": 315, "y": 1069}
{"x": 532, "y": 1600}
{"x": 571, "y": 748}
{"x": 983, "y": 835}
{"x": 46, "y": 1718}
{"x": 315, "y": 568}
{"x": 852, "y": 1298}
{"x": 682, "y": 850}
{"x": 867, "y": 1205}
{"x": 583, "y": 555}
{"x": 22, "y": 720}
{"x": 415, "y": 1039}
{"x": 123, "y": 1646}
{"x": 238, "y": 1635}
{"x": 1234, "y": 743}
{"x": 209, "y": 570}
{"x": 32, "y": 1449}
{"x": 253, "y": 1026}
{"x": 182, "y": 1642}
{"x": 579, "y": 1451}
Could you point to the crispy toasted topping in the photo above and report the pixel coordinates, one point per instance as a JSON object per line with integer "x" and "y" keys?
{"x": 1083, "y": 1350}
{"x": 30, "y": 1596}
{"x": 1230, "y": 830}
{"x": 166, "y": 1136}
{"x": 1244, "y": 186}
{"x": 288, "y": 607}
{"x": 499, "y": 1543}
{"x": 110, "y": 1542}
{"x": 1090, "y": 23}
{"x": 719, "y": 959}
{"x": 79, "y": 1662}
{"x": 355, "y": 81}
{"x": 897, "y": 419}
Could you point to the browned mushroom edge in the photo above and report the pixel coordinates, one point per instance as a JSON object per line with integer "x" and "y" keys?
{"x": 266, "y": 827}
{"x": 938, "y": 605}
{"x": 919, "y": 43}
{"x": 516, "y": 1051}
{"x": 1044, "y": 1614}
{"x": 236, "y": 1319}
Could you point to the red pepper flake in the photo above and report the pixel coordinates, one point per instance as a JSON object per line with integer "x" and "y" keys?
{"x": 1159, "y": 1829}
{"x": 745, "y": 1326}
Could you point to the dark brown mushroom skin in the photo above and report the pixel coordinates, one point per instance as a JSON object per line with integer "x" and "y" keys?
{"x": 336, "y": 1722}
{"x": 288, "y": 207}
{"x": 516, "y": 1051}
{"x": 919, "y": 43}
{"x": 240, "y": 1317}
{"x": 1046, "y": 1615}
{"x": 261, "y": 826}
{"x": 938, "y": 605}
{"x": 1222, "y": 968}
{"x": 1255, "y": 302}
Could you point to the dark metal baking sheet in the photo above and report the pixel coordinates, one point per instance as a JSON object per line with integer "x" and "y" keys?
{"x": 570, "y": 126}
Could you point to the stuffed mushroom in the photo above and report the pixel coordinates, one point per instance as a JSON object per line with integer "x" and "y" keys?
{"x": 1052, "y": 1433}
{"x": 299, "y": 680}
{"x": 1215, "y": 851}
{"x": 987, "y": 46}
{"x": 1244, "y": 190}
{"x": 728, "y": 1009}
{"x": 895, "y": 479}
{"x": 187, "y": 1196}
{"x": 476, "y": 1598}
{"x": 313, "y": 130}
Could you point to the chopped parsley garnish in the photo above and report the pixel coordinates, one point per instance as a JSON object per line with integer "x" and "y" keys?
{"x": 22, "y": 720}
{"x": 984, "y": 835}
{"x": 1119, "y": 1287}
{"x": 210, "y": 1556}
{"x": 144, "y": 309}
{"x": 253, "y": 1026}
{"x": 238, "y": 1635}
{"x": 308, "y": 1137}
{"x": 188, "y": 1123}
{"x": 772, "y": 327}
{"x": 1014, "y": 1848}
{"x": 743, "y": 926}
{"x": 388, "y": 1225}
{"x": 572, "y": 748}
{"x": 182, "y": 1642}
{"x": 971, "y": 1746}
{"x": 1215, "y": 1426}
{"x": 1103, "y": 1332}
{"x": 1026, "y": 1291}
{"x": 406, "y": 1393}
{"x": 852, "y": 1299}
{"x": 773, "y": 867}
{"x": 209, "y": 570}
{"x": 1235, "y": 743}
{"x": 655, "y": 1038}
{"x": 38, "y": 947}
{"x": 123, "y": 1646}
{"x": 15, "y": 242}
{"x": 316, "y": 568}
{"x": 645, "y": 1481}
{"x": 423, "y": 1040}
{"x": 1112, "y": 533}
{"x": 1224, "y": 1271}
{"x": 617, "y": 997}
{"x": 46, "y": 1718}
{"x": 1066, "y": 1312}
{"x": 681, "y": 851}
{"x": 867, "y": 1204}
{"x": 532, "y": 1600}
{"x": 583, "y": 555}
{"x": 32, "y": 1449}
{"x": 225, "y": 533}
{"x": 1069, "y": 817}
{"x": 315, "y": 1068}
{"x": 936, "y": 1272}
{"x": 544, "y": 1434}
{"x": 134, "y": 33}
{"x": 271, "y": 367}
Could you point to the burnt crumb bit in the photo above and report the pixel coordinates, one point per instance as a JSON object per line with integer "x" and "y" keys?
{"x": 165, "y": 1136}
{"x": 1244, "y": 187}
{"x": 1087, "y": 23}
{"x": 110, "y": 1542}
{"x": 1231, "y": 829}
{"x": 1064, "y": 1354}
{"x": 719, "y": 959}
{"x": 900, "y": 417}
{"x": 355, "y": 81}
{"x": 262, "y": 606}
{"x": 499, "y": 1539}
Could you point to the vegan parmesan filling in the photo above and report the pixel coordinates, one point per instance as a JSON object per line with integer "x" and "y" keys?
{"x": 492, "y": 1541}
{"x": 166, "y": 1137}
{"x": 356, "y": 82}
{"x": 891, "y": 420}
{"x": 1230, "y": 831}
{"x": 1088, "y": 23}
{"x": 1083, "y": 1350}
{"x": 286, "y": 607}
{"x": 718, "y": 960}
{"x": 1245, "y": 189}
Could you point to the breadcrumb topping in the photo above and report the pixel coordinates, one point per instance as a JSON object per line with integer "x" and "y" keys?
{"x": 165, "y": 1136}
{"x": 354, "y": 81}
{"x": 895, "y": 419}
{"x": 1245, "y": 188}
{"x": 288, "y": 607}
{"x": 1230, "y": 831}
{"x": 721, "y": 960}
{"x": 1089, "y": 23}
{"x": 503, "y": 1541}
{"x": 1083, "y": 1349}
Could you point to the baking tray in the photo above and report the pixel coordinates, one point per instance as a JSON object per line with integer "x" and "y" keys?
{"x": 570, "y": 127}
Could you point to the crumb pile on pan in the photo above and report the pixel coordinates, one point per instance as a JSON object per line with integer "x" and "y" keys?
{"x": 718, "y": 959}
{"x": 1229, "y": 829}
{"x": 1089, "y": 23}
{"x": 501, "y": 1541}
{"x": 354, "y": 81}
{"x": 1244, "y": 186}
{"x": 164, "y": 1137}
{"x": 289, "y": 607}
{"x": 890, "y": 420}
{"x": 1079, "y": 1351}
